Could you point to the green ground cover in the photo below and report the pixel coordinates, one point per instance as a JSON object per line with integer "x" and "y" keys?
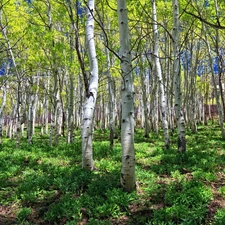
{"x": 44, "y": 185}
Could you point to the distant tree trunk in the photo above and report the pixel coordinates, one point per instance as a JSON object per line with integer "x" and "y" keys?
{"x": 41, "y": 116}
{"x": 111, "y": 103}
{"x": 4, "y": 96}
{"x": 70, "y": 127}
{"x": 12, "y": 123}
{"x": 220, "y": 72}
{"x": 61, "y": 117}
{"x": 18, "y": 123}
{"x": 164, "y": 110}
{"x": 89, "y": 106}
{"x": 220, "y": 109}
{"x": 70, "y": 95}
{"x": 55, "y": 114}
{"x": 36, "y": 100}
{"x": 11, "y": 117}
{"x": 127, "y": 178}
{"x": 144, "y": 84}
{"x": 220, "y": 60}
{"x": 30, "y": 118}
{"x": 81, "y": 100}
{"x": 1, "y": 112}
{"x": 192, "y": 90}
{"x": 177, "y": 80}
{"x": 155, "y": 106}
{"x": 46, "y": 102}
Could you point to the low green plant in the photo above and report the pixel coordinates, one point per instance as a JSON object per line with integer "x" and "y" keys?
{"x": 23, "y": 214}
{"x": 219, "y": 218}
{"x": 48, "y": 183}
{"x": 221, "y": 190}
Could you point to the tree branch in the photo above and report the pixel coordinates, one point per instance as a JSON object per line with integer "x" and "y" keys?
{"x": 217, "y": 26}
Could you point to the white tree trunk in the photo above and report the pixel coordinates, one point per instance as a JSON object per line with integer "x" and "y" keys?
{"x": 35, "y": 102}
{"x": 70, "y": 119}
{"x": 4, "y": 95}
{"x": 11, "y": 118}
{"x": 1, "y": 112}
{"x": 127, "y": 178}
{"x": 89, "y": 105}
{"x": 164, "y": 110}
{"x": 57, "y": 115}
{"x": 177, "y": 80}
{"x": 32, "y": 109}
{"x": 46, "y": 102}
{"x": 30, "y": 118}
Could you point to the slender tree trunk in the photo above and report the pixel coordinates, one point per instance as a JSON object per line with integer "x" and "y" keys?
{"x": 220, "y": 60}
{"x": 4, "y": 95}
{"x": 89, "y": 106}
{"x": 35, "y": 103}
{"x": 127, "y": 178}
{"x": 46, "y": 103}
{"x": 30, "y": 119}
{"x": 155, "y": 106}
{"x": 164, "y": 110}
{"x": 70, "y": 137}
{"x": 18, "y": 123}
{"x": 177, "y": 80}
{"x": 1, "y": 112}
{"x": 70, "y": 96}
{"x": 81, "y": 100}
{"x": 111, "y": 103}
{"x": 51, "y": 126}
{"x": 144, "y": 83}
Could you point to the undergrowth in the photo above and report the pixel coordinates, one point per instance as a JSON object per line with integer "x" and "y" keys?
{"x": 40, "y": 184}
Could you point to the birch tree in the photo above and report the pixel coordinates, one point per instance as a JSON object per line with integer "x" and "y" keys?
{"x": 89, "y": 105}
{"x": 177, "y": 80}
{"x": 30, "y": 117}
{"x": 159, "y": 76}
{"x": 127, "y": 178}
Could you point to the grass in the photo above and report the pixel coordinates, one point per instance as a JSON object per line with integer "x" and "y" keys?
{"x": 44, "y": 185}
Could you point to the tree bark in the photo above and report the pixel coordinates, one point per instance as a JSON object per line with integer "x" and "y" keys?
{"x": 127, "y": 177}
{"x": 164, "y": 110}
{"x": 177, "y": 80}
{"x": 89, "y": 105}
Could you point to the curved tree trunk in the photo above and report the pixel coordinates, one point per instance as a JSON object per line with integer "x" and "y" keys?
{"x": 89, "y": 105}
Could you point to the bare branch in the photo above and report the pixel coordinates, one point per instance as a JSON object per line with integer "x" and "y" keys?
{"x": 217, "y": 26}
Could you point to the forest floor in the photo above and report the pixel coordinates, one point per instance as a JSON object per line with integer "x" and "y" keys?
{"x": 44, "y": 185}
